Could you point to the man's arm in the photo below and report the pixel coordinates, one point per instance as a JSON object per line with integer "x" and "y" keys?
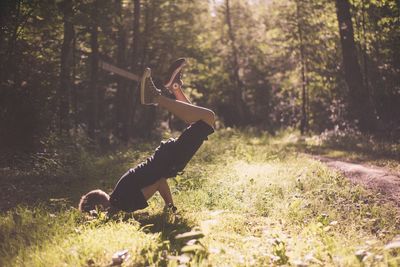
{"x": 163, "y": 188}
{"x": 165, "y": 192}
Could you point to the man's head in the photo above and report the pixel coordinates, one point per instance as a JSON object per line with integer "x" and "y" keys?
{"x": 95, "y": 199}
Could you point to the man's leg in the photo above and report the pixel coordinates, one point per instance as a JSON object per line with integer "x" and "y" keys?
{"x": 150, "y": 95}
{"x": 189, "y": 113}
{"x": 183, "y": 109}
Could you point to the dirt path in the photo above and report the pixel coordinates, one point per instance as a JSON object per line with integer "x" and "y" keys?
{"x": 376, "y": 179}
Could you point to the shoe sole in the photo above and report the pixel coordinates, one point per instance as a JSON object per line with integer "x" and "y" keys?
{"x": 174, "y": 74}
{"x": 146, "y": 74}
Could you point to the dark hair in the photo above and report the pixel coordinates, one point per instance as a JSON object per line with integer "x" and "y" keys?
{"x": 95, "y": 199}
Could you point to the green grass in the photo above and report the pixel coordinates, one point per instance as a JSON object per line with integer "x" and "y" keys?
{"x": 257, "y": 201}
{"x": 351, "y": 145}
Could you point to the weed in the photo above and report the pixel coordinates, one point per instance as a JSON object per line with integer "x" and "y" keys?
{"x": 254, "y": 199}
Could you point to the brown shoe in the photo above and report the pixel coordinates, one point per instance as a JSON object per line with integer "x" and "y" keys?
{"x": 148, "y": 91}
{"x": 173, "y": 77}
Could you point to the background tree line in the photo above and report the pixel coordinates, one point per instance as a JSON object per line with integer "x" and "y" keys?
{"x": 310, "y": 64}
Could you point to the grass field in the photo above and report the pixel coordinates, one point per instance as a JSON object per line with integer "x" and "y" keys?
{"x": 246, "y": 199}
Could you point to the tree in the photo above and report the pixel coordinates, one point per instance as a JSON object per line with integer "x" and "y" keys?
{"x": 377, "y": 36}
{"x": 136, "y": 35}
{"x": 304, "y": 120}
{"x": 136, "y": 63}
{"x": 121, "y": 114}
{"x": 93, "y": 84}
{"x": 237, "y": 91}
{"x": 65, "y": 67}
{"x": 268, "y": 64}
{"x": 359, "y": 102}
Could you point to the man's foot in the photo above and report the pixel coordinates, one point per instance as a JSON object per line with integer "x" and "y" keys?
{"x": 173, "y": 78}
{"x": 148, "y": 91}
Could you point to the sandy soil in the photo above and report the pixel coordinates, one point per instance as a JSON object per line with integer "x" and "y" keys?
{"x": 377, "y": 179}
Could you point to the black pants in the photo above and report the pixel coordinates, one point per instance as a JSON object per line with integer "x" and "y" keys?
{"x": 168, "y": 160}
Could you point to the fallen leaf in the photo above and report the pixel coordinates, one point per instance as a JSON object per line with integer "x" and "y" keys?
{"x": 310, "y": 258}
{"x": 119, "y": 257}
{"x": 300, "y": 263}
{"x": 192, "y": 248}
{"x": 327, "y": 228}
{"x": 184, "y": 258}
{"x": 192, "y": 242}
{"x": 215, "y": 250}
{"x": 361, "y": 254}
{"x": 216, "y": 212}
{"x": 393, "y": 245}
{"x": 191, "y": 234}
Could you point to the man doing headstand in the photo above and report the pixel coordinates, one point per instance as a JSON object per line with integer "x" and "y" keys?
{"x": 138, "y": 184}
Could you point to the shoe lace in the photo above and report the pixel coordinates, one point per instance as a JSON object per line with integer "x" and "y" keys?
{"x": 155, "y": 89}
{"x": 178, "y": 78}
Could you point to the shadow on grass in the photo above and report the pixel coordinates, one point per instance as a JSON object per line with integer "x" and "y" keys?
{"x": 167, "y": 225}
{"x": 30, "y": 188}
{"x": 66, "y": 170}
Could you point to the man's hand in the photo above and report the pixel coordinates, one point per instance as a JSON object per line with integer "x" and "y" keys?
{"x": 172, "y": 208}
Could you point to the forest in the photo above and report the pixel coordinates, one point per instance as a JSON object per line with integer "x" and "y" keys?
{"x": 310, "y": 65}
{"x": 303, "y": 168}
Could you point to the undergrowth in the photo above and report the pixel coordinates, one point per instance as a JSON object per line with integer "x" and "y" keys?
{"x": 246, "y": 199}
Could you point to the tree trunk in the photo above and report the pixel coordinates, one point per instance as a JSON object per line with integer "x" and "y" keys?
{"x": 121, "y": 114}
{"x": 74, "y": 88}
{"x": 304, "y": 120}
{"x": 237, "y": 93}
{"x": 7, "y": 9}
{"x": 65, "y": 68}
{"x": 93, "y": 85}
{"x": 134, "y": 95}
{"x": 136, "y": 35}
{"x": 10, "y": 68}
{"x": 147, "y": 114}
{"x": 359, "y": 104}
{"x": 369, "y": 89}
{"x": 145, "y": 37}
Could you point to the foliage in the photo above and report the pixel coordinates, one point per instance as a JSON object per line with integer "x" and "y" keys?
{"x": 268, "y": 64}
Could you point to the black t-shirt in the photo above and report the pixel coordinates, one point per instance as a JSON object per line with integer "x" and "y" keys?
{"x": 168, "y": 160}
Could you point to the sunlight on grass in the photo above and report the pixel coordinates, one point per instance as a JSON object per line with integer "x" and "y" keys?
{"x": 255, "y": 199}
{"x": 94, "y": 246}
